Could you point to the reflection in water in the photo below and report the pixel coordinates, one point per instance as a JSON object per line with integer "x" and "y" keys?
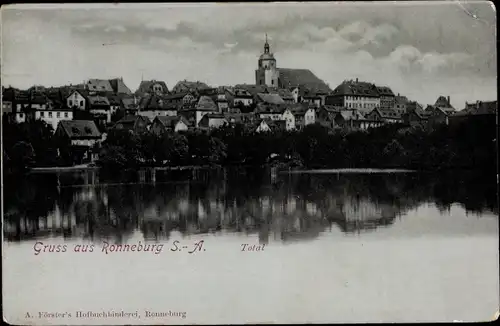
{"x": 288, "y": 207}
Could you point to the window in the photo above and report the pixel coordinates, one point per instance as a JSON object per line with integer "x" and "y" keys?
{"x": 65, "y": 114}
{"x": 272, "y": 82}
{"x": 70, "y": 103}
{"x": 50, "y": 114}
{"x": 42, "y": 114}
{"x": 58, "y": 114}
{"x": 21, "y": 115}
{"x": 81, "y": 103}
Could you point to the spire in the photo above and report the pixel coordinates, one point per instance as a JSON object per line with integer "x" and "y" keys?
{"x": 266, "y": 46}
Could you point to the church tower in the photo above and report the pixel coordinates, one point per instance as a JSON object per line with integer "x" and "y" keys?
{"x": 267, "y": 73}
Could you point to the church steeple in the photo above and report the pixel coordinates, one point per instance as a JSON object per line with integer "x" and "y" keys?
{"x": 266, "y": 46}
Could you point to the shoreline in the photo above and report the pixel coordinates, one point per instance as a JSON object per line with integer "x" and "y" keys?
{"x": 281, "y": 170}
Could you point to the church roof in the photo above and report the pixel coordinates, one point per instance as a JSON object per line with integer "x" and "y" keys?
{"x": 304, "y": 77}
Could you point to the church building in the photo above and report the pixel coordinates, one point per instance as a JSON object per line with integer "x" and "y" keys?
{"x": 270, "y": 75}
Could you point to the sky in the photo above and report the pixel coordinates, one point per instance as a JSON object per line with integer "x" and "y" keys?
{"x": 420, "y": 50}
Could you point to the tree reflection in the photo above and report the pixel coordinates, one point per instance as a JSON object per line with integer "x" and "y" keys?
{"x": 290, "y": 207}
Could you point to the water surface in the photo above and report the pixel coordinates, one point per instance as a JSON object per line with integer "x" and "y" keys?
{"x": 337, "y": 247}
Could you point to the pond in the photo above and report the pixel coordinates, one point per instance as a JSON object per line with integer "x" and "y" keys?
{"x": 317, "y": 247}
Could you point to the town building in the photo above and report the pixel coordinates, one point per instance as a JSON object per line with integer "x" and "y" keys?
{"x": 240, "y": 118}
{"x": 325, "y": 115}
{"x": 188, "y": 86}
{"x": 98, "y": 85}
{"x": 135, "y": 124}
{"x": 78, "y": 99}
{"x": 154, "y": 105}
{"x": 212, "y": 121}
{"x": 385, "y": 115}
{"x": 238, "y": 97}
{"x": 352, "y": 119}
{"x": 287, "y": 96}
{"x": 416, "y": 117}
{"x": 52, "y": 117}
{"x": 270, "y": 99}
{"x": 152, "y": 87}
{"x": 80, "y": 137}
{"x": 205, "y": 105}
{"x": 276, "y": 113}
{"x": 400, "y": 104}
{"x": 119, "y": 87}
{"x": 304, "y": 115}
{"x": 100, "y": 109}
{"x": 222, "y": 100}
{"x": 355, "y": 95}
{"x": 437, "y": 115}
{"x": 262, "y": 126}
{"x": 163, "y": 124}
{"x": 387, "y": 98}
{"x": 268, "y": 74}
{"x": 481, "y": 112}
{"x": 444, "y": 104}
{"x": 129, "y": 105}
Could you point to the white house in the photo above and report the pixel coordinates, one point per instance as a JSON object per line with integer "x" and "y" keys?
{"x": 289, "y": 119}
{"x": 53, "y": 117}
{"x": 263, "y": 127}
{"x": 162, "y": 124}
{"x": 214, "y": 120}
{"x": 77, "y": 99}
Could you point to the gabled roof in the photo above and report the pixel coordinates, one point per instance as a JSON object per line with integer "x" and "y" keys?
{"x": 276, "y": 124}
{"x": 146, "y": 86}
{"x": 356, "y": 88}
{"x": 186, "y": 86}
{"x": 414, "y": 106}
{"x": 489, "y": 107}
{"x": 77, "y": 129}
{"x": 240, "y": 93}
{"x": 264, "y": 108}
{"x": 128, "y": 103}
{"x": 351, "y": 115}
{"x": 442, "y": 102}
{"x": 98, "y": 100}
{"x": 101, "y": 85}
{"x": 171, "y": 122}
{"x": 176, "y": 96}
{"x": 292, "y": 77}
{"x": 253, "y": 89}
{"x": 400, "y": 100}
{"x": 155, "y": 102}
{"x": 270, "y": 98}
{"x": 205, "y": 103}
{"x": 285, "y": 94}
{"x": 389, "y": 113}
{"x": 385, "y": 91}
{"x": 128, "y": 122}
{"x": 119, "y": 86}
{"x": 83, "y": 92}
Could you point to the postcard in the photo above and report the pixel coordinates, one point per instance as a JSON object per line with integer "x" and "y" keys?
{"x": 234, "y": 163}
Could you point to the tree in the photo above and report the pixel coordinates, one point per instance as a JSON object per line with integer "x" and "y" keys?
{"x": 22, "y": 156}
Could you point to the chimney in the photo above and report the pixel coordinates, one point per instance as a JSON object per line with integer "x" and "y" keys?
{"x": 448, "y": 98}
{"x": 356, "y": 80}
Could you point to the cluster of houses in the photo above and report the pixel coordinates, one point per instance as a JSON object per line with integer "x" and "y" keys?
{"x": 280, "y": 99}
